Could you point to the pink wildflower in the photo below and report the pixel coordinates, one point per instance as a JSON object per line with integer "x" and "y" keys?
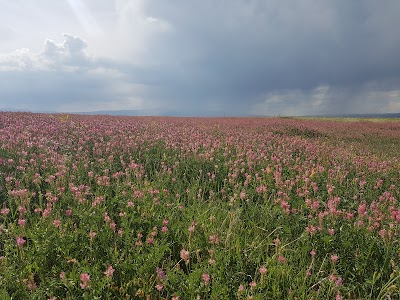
{"x": 5, "y": 211}
{"x": 253, "y": 284}
{"x": 334, "y": 258}
{"x": 31, "y": 284}
{"x": 92, "y": 234}
{"x": 113, "y": 226}
{"x": 68, "y": 212}
{"x": 263, "y": 270}
{"x": 160, "y": 273}
{"x": 20, "y": 241}
{"x": 185, "y": 255}
{"x": 21, "y": 209}
{"x": 56, "y": 222}
{"x": 85, "y": 279}
{"x": 339, "y": 281}
{"x": 109, "y": 272}
{"x": 159, "y": 287}
{"x": 22, "y": 222}
{"x": 332, "y": 278}
{"x": 281, "y": 259}
{"x": 206, "y": 278}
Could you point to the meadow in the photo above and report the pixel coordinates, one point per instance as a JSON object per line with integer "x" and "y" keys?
{"x": 101, "y": 207}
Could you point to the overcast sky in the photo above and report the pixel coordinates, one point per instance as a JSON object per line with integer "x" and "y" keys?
{"x": 198, "y": 57}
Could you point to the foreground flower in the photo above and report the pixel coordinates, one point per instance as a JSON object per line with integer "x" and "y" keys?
{"x": 109, "y": 272}
{"x": 185, "y": 255}
{"x": 20, "y": 241}
{"x": 22, "y": 222}
{"x": 263, "y": 270}
{"x": 334, "y": 258}
{"x": 31, "y": 284}
{"x": 85, "y": 278}
{"x": 241, "y": 289}
{"x": 57, "y": 223}
{"x": 206, "y": 278}
{"x": 160, "y": 273}
{"x": 281, "y": 259}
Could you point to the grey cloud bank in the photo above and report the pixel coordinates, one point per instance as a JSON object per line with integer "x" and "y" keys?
{"x": 213, "y": 57}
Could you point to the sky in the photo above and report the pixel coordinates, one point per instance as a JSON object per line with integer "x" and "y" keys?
{"x": 201, "y": 57}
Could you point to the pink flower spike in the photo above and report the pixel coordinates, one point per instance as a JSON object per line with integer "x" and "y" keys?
{"x": 206, "y": 278}
{"x": 85, "y": 278}
{"x": 253, "y": 284}
{"x": 339, "y": 281}
{"x": 334, "y": 258}
{"x": 56, "y": 222}
{"x": 109, "y": 272}
{"x": 20, "y": 241}
{"x": 263, "y": 270}
{"x": 281, "y": 259}
{"x": 22, "y": 222}
{"x": 92, "y": 234}
{"x": 31, "y": 284}
{"x": 185, "y": 255}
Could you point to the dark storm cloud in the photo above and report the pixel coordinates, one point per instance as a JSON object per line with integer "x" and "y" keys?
{"x": 237, "y": 51}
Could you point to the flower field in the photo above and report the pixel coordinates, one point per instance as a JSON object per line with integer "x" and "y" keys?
{"x": 101, "y": 207}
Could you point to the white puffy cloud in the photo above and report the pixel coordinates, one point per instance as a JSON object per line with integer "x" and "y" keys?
{"x": 69, "y": 53}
